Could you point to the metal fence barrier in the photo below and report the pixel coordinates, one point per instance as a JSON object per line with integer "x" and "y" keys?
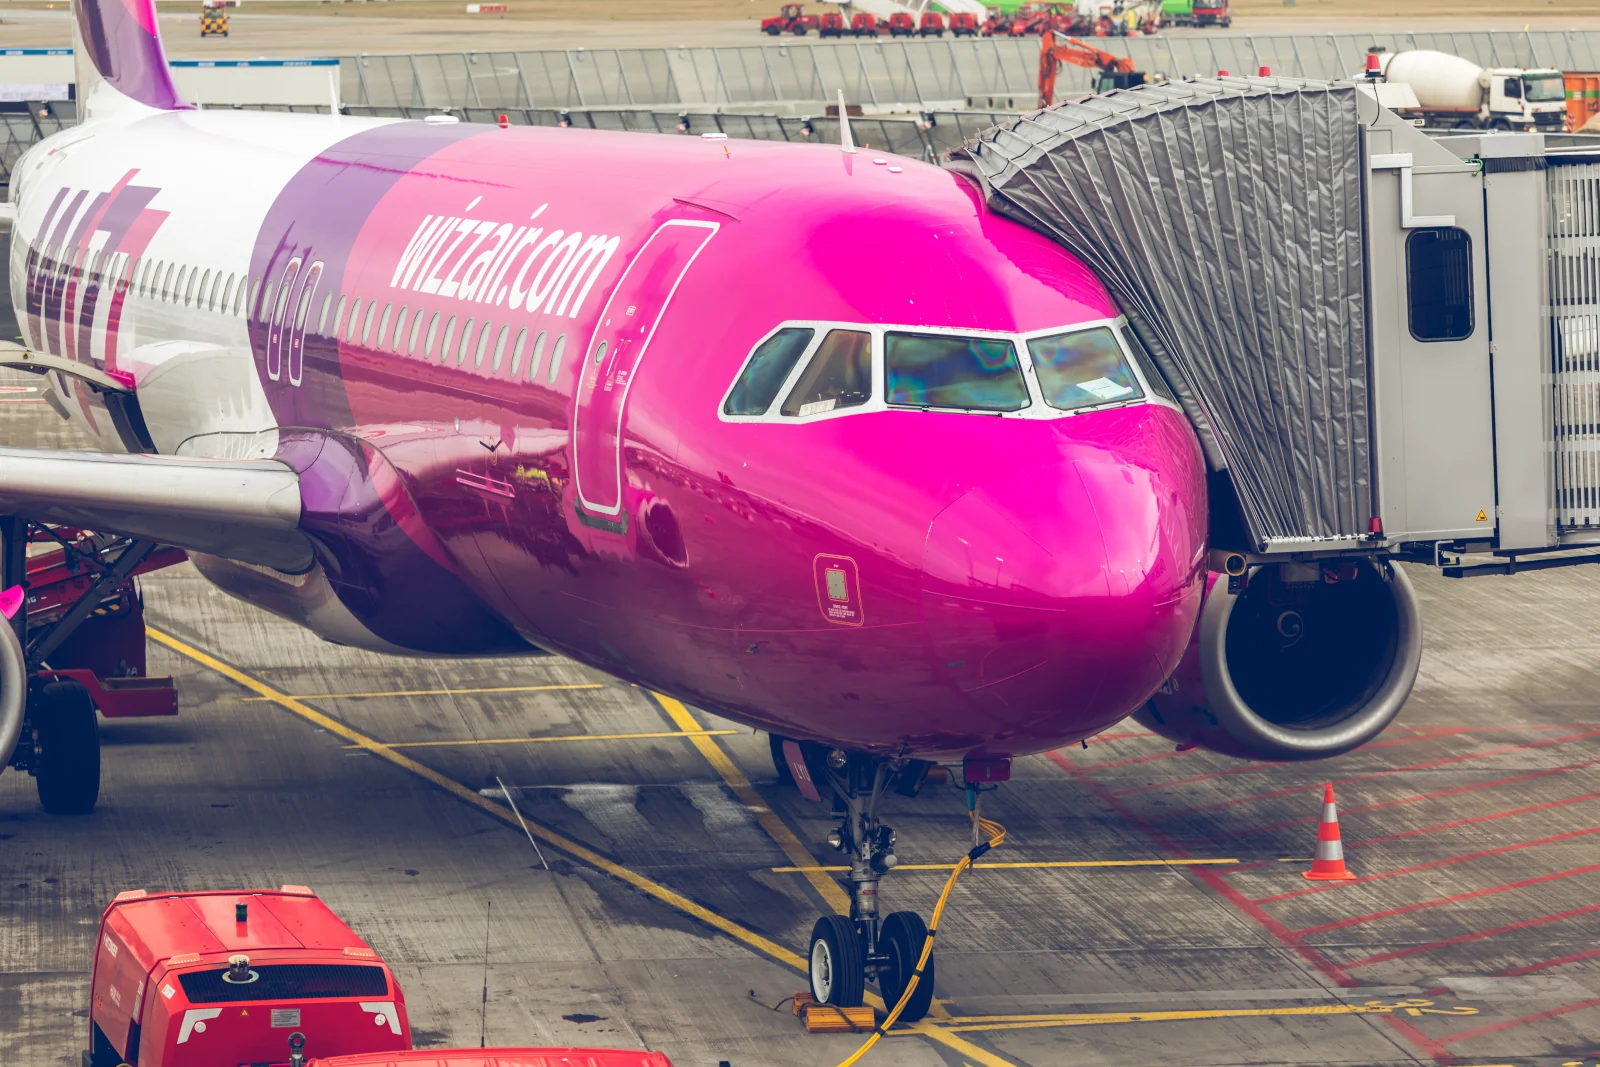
{"x": 898, "y": 72}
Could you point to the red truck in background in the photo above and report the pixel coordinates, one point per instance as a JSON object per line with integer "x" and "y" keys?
{"x": 791, "y": 18}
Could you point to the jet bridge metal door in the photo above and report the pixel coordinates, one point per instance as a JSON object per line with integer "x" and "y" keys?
{"x": 1428, "y": 310}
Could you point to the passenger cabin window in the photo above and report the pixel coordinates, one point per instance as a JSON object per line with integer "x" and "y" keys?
{"x": 1439, "y": 284}
{"x": 1082, "y": 369}
{"x": 767, "y": 370}
{"x": 533, "y": 359}
{"x": 940, "y": 371}
{"x": 838, "y": 376}
{"x": 555, "y": 357}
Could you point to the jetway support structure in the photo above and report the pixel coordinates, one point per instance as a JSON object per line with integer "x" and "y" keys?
{"x": 1388, "y": 342}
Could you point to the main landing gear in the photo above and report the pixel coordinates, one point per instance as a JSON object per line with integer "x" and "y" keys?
{"x": 846, "y": 952}
{"x": 71, "y": 643}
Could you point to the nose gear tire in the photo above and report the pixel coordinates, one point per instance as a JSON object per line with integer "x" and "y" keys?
{"x": 67, "y": 759}
{"x": 838, "y": 971}
{"x": 901, "y": 940}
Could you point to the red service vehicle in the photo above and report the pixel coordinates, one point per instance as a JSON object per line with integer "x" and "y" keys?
{"x": 73, "y": 627}
{"x": 831, "y": 25}
{"x": 501, "y": 1057}
{"x": 791, "y": 18}
{"x": 217, "y": 979}
{"x": 863, "y": 24}
{"x": 900, "y": 24}
{"x": 932, "y": 24}
{"x": 963, "y": 24}
{"x": 1212, "y": 13}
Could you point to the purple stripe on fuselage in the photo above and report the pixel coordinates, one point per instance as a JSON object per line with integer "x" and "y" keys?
{"x": 125, "y": 47}
{"x": 318, "y": 216}
{"x": 405, "y": 593}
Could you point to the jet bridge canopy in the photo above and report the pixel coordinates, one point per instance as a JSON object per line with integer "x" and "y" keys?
{"x": 1226, "y": 217}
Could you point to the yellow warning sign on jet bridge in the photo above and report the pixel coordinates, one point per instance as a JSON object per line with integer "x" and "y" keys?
{"x": 1483, "y": 516}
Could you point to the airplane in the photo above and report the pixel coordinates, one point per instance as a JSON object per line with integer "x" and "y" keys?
{"x": 807, "y": 437}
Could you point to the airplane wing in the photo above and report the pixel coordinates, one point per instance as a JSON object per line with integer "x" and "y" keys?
{"x": 246, "y": 510}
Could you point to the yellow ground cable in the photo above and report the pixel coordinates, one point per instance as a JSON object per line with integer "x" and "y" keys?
{"x": 996, "y": 837}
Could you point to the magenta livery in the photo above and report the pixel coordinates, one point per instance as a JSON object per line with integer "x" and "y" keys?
{"x": 803, "y": 436}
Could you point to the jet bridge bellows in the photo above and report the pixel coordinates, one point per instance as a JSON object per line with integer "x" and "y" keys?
{"x": 1225, "y": 215}
{"x": 1389, "y": 341}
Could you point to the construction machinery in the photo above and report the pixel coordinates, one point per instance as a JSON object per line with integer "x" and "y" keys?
{"x": 1114, "y": 72}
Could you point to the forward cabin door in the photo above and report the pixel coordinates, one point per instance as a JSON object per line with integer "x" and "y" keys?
{"x": 612, "y": 358}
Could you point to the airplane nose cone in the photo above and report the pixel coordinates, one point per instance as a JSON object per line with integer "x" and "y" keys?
{"x": 1058, "y": 598}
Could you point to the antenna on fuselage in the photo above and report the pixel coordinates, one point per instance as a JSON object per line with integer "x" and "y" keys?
{"x": 847, "y": 143}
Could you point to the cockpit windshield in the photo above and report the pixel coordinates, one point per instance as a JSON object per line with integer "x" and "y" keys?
{"x": 1082, "y": 369}
{"x": 941, "y": 371}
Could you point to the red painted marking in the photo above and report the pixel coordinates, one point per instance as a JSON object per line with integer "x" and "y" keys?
{"x": 1264, "y": 766}
{"x": 1557, "y": 962}
{"x": 1475, "y": 819}
{"x": 1416, "y": 797}
{"x": 1212, "y": 879}
{"x": 1495, "y": 1028}
{"x": 1356, "y": 920}
{"x": 1446, "y": 862}
{"x": 1478, "y": 935}
{"x": 1396, "y": 770}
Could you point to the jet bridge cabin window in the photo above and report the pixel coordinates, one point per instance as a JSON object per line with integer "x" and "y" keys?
{"x": 941, "y": 371}
{"x": 1439, "y": 284}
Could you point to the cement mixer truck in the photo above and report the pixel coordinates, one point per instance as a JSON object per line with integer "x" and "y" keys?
{"x": 1456, "y": 93}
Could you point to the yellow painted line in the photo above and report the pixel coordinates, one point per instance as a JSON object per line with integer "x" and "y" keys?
{"x": 768, "y": 819}
{"x": 749, "y": 938}
{"x": 1023, "y": 865}
{"x": 432, "y": 692}
{"x": 1109, "y": 1018}
{"x": 830, "y": 890}
{"x": 547, "y": 740}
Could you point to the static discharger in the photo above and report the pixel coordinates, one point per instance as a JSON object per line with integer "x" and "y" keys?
{"x": 1328, "y": 866}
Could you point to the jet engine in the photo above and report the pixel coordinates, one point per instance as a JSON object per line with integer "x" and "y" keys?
{"x": 1293, "y": 661}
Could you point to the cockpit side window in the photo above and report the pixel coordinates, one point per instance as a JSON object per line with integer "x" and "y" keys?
{"x": 766, "y": 372}
{"x": 839, "y": 375}
{"x": 1082, "y": 369}
{"x": 1147, "y": 366}
{"x": 942, "y": 371}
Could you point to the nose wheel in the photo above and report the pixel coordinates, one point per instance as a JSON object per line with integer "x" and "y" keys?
{"x": 838, "y": 968}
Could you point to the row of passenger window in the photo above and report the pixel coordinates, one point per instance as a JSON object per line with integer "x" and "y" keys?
{"x": 1070, "y": 370}
{"x": 415, "y": 332}
{"x": 213, "y": 290}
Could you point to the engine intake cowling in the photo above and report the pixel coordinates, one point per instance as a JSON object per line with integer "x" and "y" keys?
{"x": 1307, "y": 661}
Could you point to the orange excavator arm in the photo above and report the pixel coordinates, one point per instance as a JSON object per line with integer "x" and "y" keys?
{"x": 1076, "y": 52}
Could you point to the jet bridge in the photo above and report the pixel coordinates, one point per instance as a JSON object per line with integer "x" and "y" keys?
{"x": 1388, "y": 343}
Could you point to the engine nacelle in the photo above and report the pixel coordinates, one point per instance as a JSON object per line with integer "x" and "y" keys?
{"x": 1307, "y": 661}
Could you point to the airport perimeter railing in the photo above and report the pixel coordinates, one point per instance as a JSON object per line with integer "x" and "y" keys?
{"x": 887, "y": 73}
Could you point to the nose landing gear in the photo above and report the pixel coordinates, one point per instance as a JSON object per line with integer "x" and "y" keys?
{"x": 846, "y": 952}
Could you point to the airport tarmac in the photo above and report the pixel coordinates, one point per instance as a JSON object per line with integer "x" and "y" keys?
{"x": 1147, "y": 909}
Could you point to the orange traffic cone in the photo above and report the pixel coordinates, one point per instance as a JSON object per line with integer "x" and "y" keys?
{"x": 1329, "y": 863}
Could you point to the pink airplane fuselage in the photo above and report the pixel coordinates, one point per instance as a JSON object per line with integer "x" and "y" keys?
{"x": 927, "y": 582}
